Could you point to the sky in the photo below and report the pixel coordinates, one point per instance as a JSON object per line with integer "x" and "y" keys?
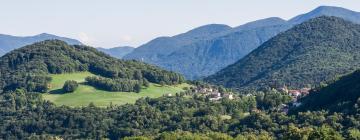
{"x": 112, "y": 23}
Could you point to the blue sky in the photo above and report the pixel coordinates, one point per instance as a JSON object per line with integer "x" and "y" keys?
{"x": 111, "y": 23}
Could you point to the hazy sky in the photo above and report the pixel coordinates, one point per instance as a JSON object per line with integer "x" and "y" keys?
{"x": 111, "y": 23}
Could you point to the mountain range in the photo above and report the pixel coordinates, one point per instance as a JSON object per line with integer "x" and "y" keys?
{"x": 205, "y": 50}
{"x": 304, "y": 56}
{"x": 9, "y": 42}
{"x": 117, "y": 52}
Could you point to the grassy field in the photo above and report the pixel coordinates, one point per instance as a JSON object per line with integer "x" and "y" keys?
{"x": 86, "y": 94}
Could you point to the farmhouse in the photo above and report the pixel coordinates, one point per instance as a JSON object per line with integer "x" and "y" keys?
{"x": 294, "y": 93}
{"x": 214, "y": 96}
{"x": 228, "y": 96}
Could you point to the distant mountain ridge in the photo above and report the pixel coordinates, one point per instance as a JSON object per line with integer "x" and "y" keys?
{"x": 328, "y": 11}
{"x": 203, "y": 54}
{"x": 117, "y": 52}
{"x": 206, "y": 57}
{"x": 9, "y": 42}
{"x": 162, "y": 46}
{"x": 310, "y": 53}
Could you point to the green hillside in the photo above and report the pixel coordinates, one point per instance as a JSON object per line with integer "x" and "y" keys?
{"x": 29, "y": 68}
{"x": 58, "y": 80}
{"x": 312, "y": 52}
{"x": 343, "y": 95}
{"x": 85, "y": 94}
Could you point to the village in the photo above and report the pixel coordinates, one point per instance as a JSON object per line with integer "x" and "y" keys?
{"x": 217, "y": 93}
{"x": 211, "y": 93}
{"x": 295, "y": 94}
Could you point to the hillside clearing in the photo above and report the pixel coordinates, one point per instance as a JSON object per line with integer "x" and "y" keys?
{"x": 85, "y": 94}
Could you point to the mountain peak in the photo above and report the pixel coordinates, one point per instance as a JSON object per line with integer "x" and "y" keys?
{"x": 205, "y": 31}
{"x": 328, "y": 11}
{"x": 328, "y": 8}
{"x": 210, "y": 27}
{"x": 270, "y": 19}
{"x": 45, "y": 34}
{"x": 261, "y": 23}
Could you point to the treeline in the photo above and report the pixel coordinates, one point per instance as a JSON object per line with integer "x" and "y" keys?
{"x": 109, "y": 84}
{"x": 294, "y": 133}
{"x": 28, "y": 81}
{"x": 168, "y": 118}
{"x": 27, "y": 67}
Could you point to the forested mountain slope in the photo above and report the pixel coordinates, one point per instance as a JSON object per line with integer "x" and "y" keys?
{"x": 312, "y": 52}
{"x": 28, "y": 66}
{"x": 162, "y": 46}
{"x": 206, "y": 57}
{"x": 219, "y": 45}
{"x": 201, "y": 56}
{"x": 8, "y": 42}
{"x": 342, "y": 95}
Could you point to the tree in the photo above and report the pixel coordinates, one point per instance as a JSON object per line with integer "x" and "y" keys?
{"x": 295, "y": 133}
{"x": 354, "y": 134}
{"x": 137, "y": 138}
{"x": 137, "y": 88}
{"x": 146, "y": 83}
{"x": 70, "y": 86}
{"x": 138, "y": 75}
{"x": 221, "y": 89}
{"x": 325, "y": 133}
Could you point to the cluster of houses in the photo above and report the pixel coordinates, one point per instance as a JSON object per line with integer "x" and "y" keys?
{"x": 213, "y": 93}
{"x": 295, "y": 94}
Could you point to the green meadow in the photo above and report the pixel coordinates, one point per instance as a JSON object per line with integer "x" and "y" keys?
{"x": 85, "y": 94}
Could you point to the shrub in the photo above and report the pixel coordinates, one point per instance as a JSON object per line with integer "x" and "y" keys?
{"x": 70, "y": 86}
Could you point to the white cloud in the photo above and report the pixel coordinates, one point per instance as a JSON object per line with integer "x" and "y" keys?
{"x": 126, "y": 38}
{"x": 84, "y": 38}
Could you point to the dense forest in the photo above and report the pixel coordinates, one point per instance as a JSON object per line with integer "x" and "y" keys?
{"x": 341, "y": 95}
{"x": 304, "y": 56}
{"x": 186, "y": 115}
{"x": 29, "y": 66}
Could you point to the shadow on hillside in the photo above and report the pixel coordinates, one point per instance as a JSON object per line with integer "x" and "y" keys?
{"x": 160, "y": 85}
{"x": 57, "y": 91}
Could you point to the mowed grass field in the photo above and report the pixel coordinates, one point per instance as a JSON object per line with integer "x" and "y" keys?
{"x": 85, "y": 94}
